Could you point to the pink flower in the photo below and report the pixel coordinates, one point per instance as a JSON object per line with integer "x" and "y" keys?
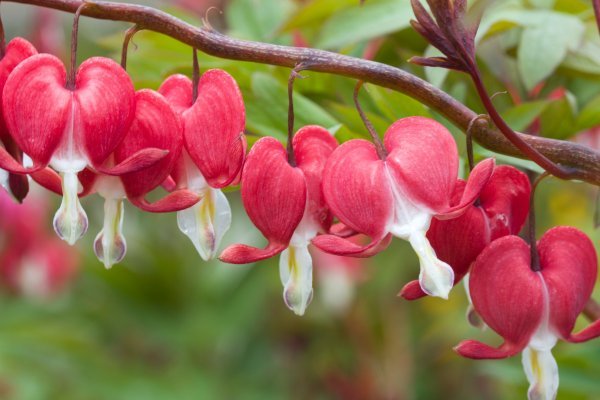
{"x": 286, "y": 204}
{"x": 532, "y": 310}
{"x": 214, "y": 149}
{"x": 155, "y": 125}
{"x": 70, "y": 125}
{"x": 400, "y": 194}
{"x": 501, "y": 210}
{"x": 16, "y": 51}
{"x": 32, "y": 263}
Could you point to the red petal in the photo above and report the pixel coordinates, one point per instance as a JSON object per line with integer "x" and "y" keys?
{"x": 506, "y": 292}
{"x": 155, "y": 125}
{"x": 412, "y": 291}
{"x": 477, "y": 181}
{"x": 273, "y": 192}
{"x": 312, "y": 147}
{"x": 477, "y": 350}
{"x": 177, "y": 89}
{"x": 17, "y": 50}
{"x": 106, "y": 99}
{"x": 49, "y": 179}
{"x": 137, "y": 162}
{"x": 569, "y": 266}
{"x": 424, "y": 160}
{"x": 7, "y": 162}
{"x": 344, "y": 247}
{"x": 214, "y": 127}
{"x": 243, "y": 254}
{"x": 357, "y": 189}
{"x": 175, "y": 201}
{"x": 505, "y": 200}
{"x": 37, "y": 106}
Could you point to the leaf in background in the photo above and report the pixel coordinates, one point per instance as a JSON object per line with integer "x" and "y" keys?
{"x": 315, "y": 12}
{"x": 558, "y": 119}
{"x": 350, "y": 116}
{"x": 517, "y": 162}
{"x": 543, "y": 46}
{"x": 394, "y": 105}
{"x": 258, "y": 19}
{"x": 267, "y": 111}
{"x": 590, "y": 115}
{"x": 435, "y": 76}
{"x": 522, "y": 115}
{"x": 373, "y": 19}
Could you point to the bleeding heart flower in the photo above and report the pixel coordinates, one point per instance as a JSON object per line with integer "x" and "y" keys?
{"x": 532, "y": 310}
{"x": 155, "y": 125}
{"x": 16, "y": 51}
{"x": 31, "y": 262}
{"x": 71, "y": 125}
{"x": 213, "y": 153}
{"x": 400, "y": 194}
{"x": 501, "y": 210}
{"x": 286, "y": 204}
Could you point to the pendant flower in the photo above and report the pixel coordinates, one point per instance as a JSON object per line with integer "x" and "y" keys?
{"x": 501, "y": 210}
{"x": 286, "y": 204}
{"x": 155, "y": 125}
{"x": 532, "y": 310}
{"x": 70, "y": 126}
{"x": 213, "y": 155}
{"x": 400, "y": 194}
{"x": 16, "y": 51}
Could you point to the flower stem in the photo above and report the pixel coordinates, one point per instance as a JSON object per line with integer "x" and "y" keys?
{"x": 129, "y": 33}
{"x": 290, "y": 146}
{"x": 535, "y": 257}
{"x": 381, "y": 151}
{"x": 195, "y": 75}
{"x": 74, "y": 32}
{"x": 525, "y": 148}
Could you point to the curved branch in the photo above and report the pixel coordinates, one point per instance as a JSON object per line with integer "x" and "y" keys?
{"x": 584, "y": 160}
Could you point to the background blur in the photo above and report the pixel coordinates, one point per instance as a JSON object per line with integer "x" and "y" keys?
{"x": 165, "y": 325}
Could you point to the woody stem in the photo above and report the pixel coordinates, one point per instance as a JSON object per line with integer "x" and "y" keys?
{"x": 584, "y": 161}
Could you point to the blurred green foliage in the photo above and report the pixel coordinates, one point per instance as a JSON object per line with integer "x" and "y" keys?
{"x": 165, "y": 325}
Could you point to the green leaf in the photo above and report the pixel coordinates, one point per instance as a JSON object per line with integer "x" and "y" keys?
{"x": 314, "y": 12}
{"x": 267, "y": 111}
{"x": 543, "y": 47}
{"x": 258, "y": 19}
{"x": 522, "y": 115}
{"x": 374, "y": 19}
{"x": 590, "y": 115}
{"x": 558, "y": 119}
{"x": 394, "y": 105}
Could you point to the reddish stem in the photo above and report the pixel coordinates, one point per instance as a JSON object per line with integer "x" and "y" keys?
{"x": 195, "y": 75}
{"x": 290, "y": 145}
{"x": 74, "y": 32}
{"x": 129, "y": 33}
{"x": 535, "y": 257}
{"x": 525, "y": 148}
{"x": 381, "y": 151}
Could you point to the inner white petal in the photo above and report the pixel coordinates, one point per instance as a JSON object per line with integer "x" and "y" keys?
{"x": 110, "y": 245}
{"x": 70, "y": 155}
{"x": 539, "y": 364}
{"x": 70, "y": 221}
{"x": 411, "y": 222}
{"x": 206, "y": 222}
{"x": 295, "y": 271}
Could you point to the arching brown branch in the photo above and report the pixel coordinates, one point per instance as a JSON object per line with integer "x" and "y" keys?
{"x": 584, "y": 160}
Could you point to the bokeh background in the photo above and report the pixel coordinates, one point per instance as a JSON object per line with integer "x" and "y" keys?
{"x": 165, "y": 325}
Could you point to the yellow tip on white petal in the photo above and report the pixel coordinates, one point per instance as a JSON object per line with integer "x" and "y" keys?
{"x": 295, "y": 270}
{"x": 70, "y": 221}
{"x": 206, "y": 222}
{"x": 542, "y": 373}
{"x": 110, "y": 245}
